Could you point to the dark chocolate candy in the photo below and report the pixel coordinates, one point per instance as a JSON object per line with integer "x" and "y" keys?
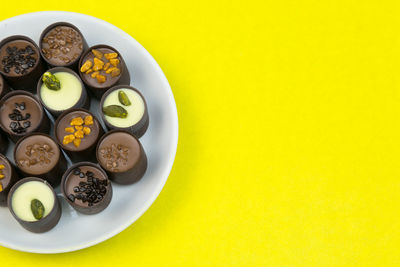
{"x": 45, "y": 224}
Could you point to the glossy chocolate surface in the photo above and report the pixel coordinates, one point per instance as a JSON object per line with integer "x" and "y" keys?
{"x": 37, "y": 154}
{"x": 62, "y": 45}
{"x": 19, "y": 45}
{"x": 73, "y": 181}
{"x": 88, "y": 140}
{"x": 110, "y": 81}
{"x": 124, "y": 146}
{"x": 122, "y": 156}
{"x": 77, "y": 177}
{"x": 32, "y": 106}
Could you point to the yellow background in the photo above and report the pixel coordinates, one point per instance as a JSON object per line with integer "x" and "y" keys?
{"x": 289, "y": 136}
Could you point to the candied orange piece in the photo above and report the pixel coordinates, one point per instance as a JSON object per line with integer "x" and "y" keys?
{"x": 94, "y": 74}
{"x": 111, "y": 55}
{"x": 68, "y": 139}
{"x": 114, "y": 61}
{"x": 86, "y": 66}
{"x": 88, "y": 120}
{"x": 77, "y": 142}
{"x": 98, "y": 64}
{"x": 89, "y": 71}
{"x": 106, "y": 66}
{"x": 1, "y": 187}
{"x": 101, "y": 78}
{"x": 115, "y": 72}
{"x": 1, "y": 166}
{"x": 110, "y": 69}
{"x": 1, "y": 176}
{"x": 97, "y": 53}
{"x": 69, "y": 129}
{"x": 86, "y": 130}
{"x": 78, "y": 121}
{"x": 78, "y": 127}
{"x": 79, "y": 134}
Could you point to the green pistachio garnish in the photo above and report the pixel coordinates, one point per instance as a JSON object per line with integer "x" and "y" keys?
{"x": 123, "y": 98}
{"x": 51, "y": 81}
{"x": 115, "y": 111}
{"x": 37, "y": 209}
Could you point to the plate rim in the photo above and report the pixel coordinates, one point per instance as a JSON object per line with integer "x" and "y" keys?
{"x": 167, "y": 169}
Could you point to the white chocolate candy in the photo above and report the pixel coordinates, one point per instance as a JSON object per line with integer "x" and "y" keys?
{"x": 135, "y": 110}
{"x": 67, "y": 96}
{"x": 25, "y": 193}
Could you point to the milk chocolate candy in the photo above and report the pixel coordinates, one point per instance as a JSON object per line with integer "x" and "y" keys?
{"x": 21, "y": 113}
{"x": 107, "y": 69}
{"x": 122, "y": 156}
{"x": 20, "y": 62}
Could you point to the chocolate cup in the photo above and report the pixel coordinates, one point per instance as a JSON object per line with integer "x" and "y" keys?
{"x": 43, "y": 126}
{"x": 83, "y": 102}
{"x": 137, "y": 129}
{"x": 45, "y": 224}
{"x": 13, "y": 179}
{"x": 132, "y": 175}
{"x": 124, "y": 77}
{"x": 3, "y": 143}
{"x": 96, "y": 208}
{"x": 74, "y": 65}
{"x": 54, "y": 175}
{"x": 87, "y": 154}
{"x": 4, "y": 88}
{"x": 29, "y": 80}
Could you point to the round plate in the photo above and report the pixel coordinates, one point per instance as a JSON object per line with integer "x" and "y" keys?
{"x": 76, "y": 231}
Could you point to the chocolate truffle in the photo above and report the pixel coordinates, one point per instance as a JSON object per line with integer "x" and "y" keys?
{"x": 122, "y": 156}
{"x": 8, "y": 177}
{"x": 87, "y": 188}
{"x": 39, "y": 155}
{"x": 62, "y": 44}
{"x": 21, "y": 113}
{"x": 102, "y": 67}
{"x": 61, "y": 89}
{"x": 34, "y": 204}
{"x": 20, "y": 62}
{"x": 77, "y": 131}
{"x": 124, "y": 108}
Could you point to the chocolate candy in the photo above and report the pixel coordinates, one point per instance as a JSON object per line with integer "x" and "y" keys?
{"x": 24, "y": 213}
{"x": 137, "y": 119}
{"x": 21, "y": 113}
{"x": 72, "y": 89}
{"x": 20, "y": 62}
{"x": 38, "y": 155}
{"x": 89, "y": 72}
{"x": 62, "y": 45}
{"x": 87, "y": 188}
{"x": 122, "y": 155}
{"x": 87, "y": 131}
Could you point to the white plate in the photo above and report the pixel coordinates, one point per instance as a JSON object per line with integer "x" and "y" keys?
{"x": 76, "y": 231}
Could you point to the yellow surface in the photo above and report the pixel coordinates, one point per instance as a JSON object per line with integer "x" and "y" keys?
{"x": 289, "y": 140}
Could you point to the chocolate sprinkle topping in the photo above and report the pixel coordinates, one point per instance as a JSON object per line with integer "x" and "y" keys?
{"x": 91, "y": 191}
{"x": 19, "y": 59}
{"x": 17, "y": 117}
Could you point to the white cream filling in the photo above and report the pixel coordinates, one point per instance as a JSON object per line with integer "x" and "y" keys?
{"x": 67, "y": 96}
{"x": 135, "y": 110}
